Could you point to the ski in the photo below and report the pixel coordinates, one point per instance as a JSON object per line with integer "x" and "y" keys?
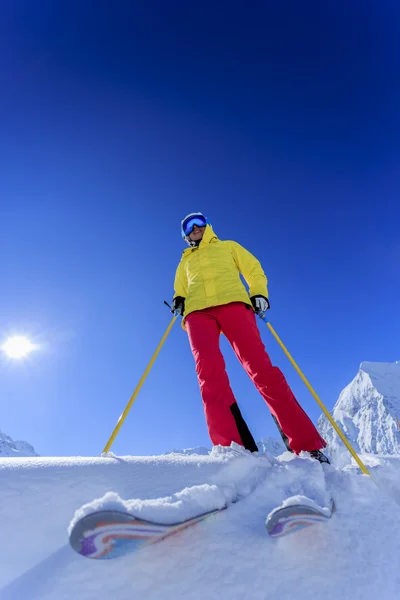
{"x": 108, "y": 534}
{"x": 288, "y": 519}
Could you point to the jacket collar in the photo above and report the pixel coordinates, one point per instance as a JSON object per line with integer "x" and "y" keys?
{"x": 209, "y": 236}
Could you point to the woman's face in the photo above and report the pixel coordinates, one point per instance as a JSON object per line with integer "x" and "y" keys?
{"x": 197, "y": 233}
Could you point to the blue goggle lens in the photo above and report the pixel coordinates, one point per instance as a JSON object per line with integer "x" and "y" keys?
{"x": 188, "y": 226}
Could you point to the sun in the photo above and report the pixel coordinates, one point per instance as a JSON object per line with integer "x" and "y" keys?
{"x": 18, "y": 346}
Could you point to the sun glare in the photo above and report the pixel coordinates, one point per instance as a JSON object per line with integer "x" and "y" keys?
{"x": 18, "y": 346}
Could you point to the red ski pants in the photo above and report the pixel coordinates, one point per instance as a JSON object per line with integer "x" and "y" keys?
{"x": 225, "y": 424}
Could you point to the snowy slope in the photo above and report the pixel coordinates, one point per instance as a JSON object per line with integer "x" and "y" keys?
{"x": 367, "y": 410}
{"x": 9, "y": 447}
{"x": 229, "y": 557}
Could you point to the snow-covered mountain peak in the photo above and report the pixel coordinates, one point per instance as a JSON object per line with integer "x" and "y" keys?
{"x": 384, "y": 376}
{"x": 9, "y": 447}
{"x": 198, "y": 450}
{"x": 272, "y": 445}
{"x": 368, "y": 410}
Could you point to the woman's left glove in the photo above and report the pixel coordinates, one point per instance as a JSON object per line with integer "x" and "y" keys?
{"x": 178, "y": 306}
{"x": 260, "y": 304}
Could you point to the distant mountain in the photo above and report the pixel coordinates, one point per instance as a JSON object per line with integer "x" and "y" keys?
{"x": 368, "y": 411}
{"x": 188, "y": 451}
{"x": 9, "y": 447}
{"x": 274, "y": 446}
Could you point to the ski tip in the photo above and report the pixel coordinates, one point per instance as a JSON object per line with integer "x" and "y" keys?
{"x": 101, "y": 534}
{"x": 289, "y": 519}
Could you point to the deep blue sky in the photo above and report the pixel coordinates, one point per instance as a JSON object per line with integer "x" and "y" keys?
{"x": 278, "y": 120}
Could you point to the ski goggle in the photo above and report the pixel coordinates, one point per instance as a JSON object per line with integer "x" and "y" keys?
{"x": 189, "y": 223}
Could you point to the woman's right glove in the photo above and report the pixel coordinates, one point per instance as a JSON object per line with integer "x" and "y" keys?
{"x": 260, "y": 304}
{"x": 178, "y": 306}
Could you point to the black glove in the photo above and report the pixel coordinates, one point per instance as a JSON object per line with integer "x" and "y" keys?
{"x": 260, "y": 304}
{"x": 178, "y": 306}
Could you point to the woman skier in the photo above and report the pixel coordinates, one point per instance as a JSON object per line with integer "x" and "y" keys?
{"x": 212, "y": 299}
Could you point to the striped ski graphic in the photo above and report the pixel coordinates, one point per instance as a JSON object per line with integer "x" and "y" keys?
{"x": 110, "y": 533}
{"x": 289, "y": 519}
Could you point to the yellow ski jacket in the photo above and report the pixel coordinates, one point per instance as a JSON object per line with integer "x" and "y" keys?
{"x": 209, "y": 274}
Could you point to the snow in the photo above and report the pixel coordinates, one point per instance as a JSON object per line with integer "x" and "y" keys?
{"x": 367, "y": 411}
{"x": 229, "y": 557}
{"x": 304, "y": 501}
{"x": 226, "y": 487}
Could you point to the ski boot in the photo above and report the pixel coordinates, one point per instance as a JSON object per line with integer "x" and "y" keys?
{"x": 318, "y": 455}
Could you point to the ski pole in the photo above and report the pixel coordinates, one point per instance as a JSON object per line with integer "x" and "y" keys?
{"x": 318, "y": 400}
{"x": 138, "y": 387}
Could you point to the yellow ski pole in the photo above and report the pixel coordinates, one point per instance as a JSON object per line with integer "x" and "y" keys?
{"x": 318, "y": 400}
{"x": 138, "y": 387}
